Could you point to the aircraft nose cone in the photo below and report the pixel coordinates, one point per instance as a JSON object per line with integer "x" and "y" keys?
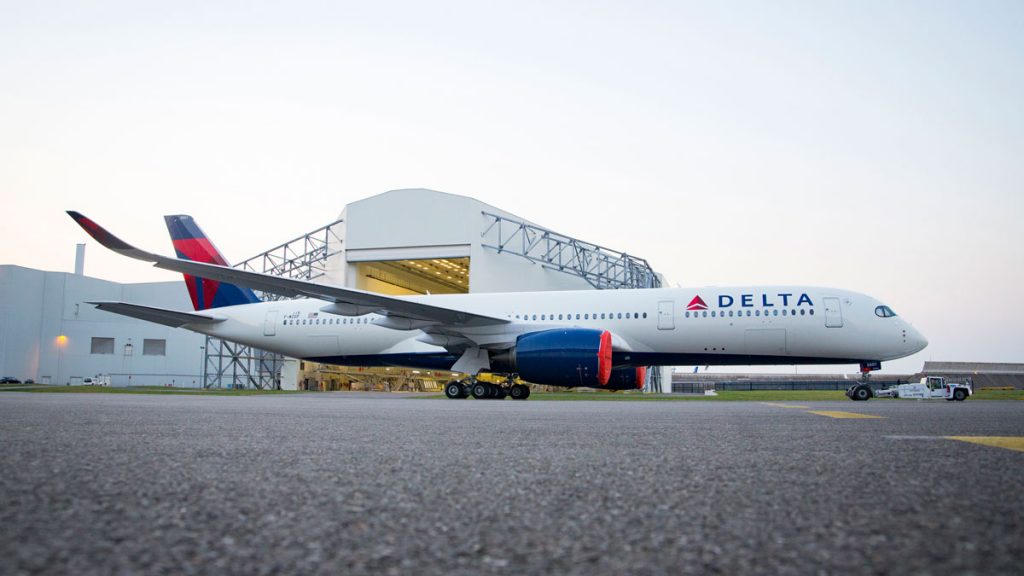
{"x": 916, "y": 340}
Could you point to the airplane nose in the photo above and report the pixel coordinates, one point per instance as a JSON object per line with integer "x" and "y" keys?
{"x": 915, "y": 340}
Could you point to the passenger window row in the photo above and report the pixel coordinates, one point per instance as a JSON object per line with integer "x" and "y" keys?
{"x": 324, "y": 321}
{"x": 576, "y": 316}
{"x": 750, "y": 313}
{"x": 581, "y": 316}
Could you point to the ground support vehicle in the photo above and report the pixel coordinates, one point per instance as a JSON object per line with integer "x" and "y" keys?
{"x": 928, "y": 388}
{"x": 97, "y": 380}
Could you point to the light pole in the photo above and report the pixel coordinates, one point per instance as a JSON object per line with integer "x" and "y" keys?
{"x": 202, "y": 366}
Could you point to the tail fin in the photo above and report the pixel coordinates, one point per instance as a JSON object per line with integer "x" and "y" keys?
{"x": 190, "y": 243}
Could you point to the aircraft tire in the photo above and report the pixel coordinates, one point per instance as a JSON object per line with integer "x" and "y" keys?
{"x": 454, "y": 390}
{"x": 862, "y": 393}
{"x": 519, "y": 392}
{"x": 481, "y": 390}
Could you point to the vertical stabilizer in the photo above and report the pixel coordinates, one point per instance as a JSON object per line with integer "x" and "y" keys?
{"x": 190, "y": 243}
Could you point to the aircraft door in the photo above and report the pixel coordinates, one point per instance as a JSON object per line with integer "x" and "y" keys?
{"x": 270, "y": 323}
{"x": 667, "y": 315}
{"x": 833, "y": 313}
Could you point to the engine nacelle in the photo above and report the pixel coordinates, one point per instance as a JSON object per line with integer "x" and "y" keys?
{"x": 627, "y": 378}
{"x": 560, "y": 357}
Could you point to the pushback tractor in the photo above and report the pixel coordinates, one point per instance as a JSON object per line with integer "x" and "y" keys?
{"x": 928, "y": 388}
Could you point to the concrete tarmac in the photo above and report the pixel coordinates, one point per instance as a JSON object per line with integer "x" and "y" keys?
{"x": 351, "y": 484}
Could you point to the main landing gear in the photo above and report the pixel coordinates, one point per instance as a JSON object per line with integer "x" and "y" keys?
{"x": 485, "y": 390}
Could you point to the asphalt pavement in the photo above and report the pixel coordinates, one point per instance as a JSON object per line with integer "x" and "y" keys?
{"x": 355, "y": 484}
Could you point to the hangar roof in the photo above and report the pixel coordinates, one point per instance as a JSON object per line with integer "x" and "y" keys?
{"x": 404, "y": 194}
{"x": 973, "y": 368}
{"x": 417, "y": 216}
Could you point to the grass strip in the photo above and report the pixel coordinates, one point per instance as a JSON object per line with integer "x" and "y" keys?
{"x": 151, "y": 390}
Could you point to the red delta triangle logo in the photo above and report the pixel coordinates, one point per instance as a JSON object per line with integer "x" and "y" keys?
{"x": 696, "y": 304}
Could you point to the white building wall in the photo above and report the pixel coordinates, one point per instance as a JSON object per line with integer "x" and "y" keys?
{"x": 21, "y": 308}
{"x": 37, "y": 307}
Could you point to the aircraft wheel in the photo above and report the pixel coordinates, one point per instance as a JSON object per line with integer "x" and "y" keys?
{"x": 481, "y": 390}
{"x": 959, "y": 395}
{"x": 454, "y": 390}
{"x": 862, "y": 393}
{"x": 500, "y": 393}
{"x": 519, "y": 392}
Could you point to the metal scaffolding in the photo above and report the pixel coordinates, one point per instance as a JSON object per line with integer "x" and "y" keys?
{"x": 601, "y": 267}
{"x": 304, "y": 258}
{"x": 237, "y": 366}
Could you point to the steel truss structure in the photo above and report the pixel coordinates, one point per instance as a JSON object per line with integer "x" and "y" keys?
{"x": 601, "y": 267}
{"x": 232, "y": 365}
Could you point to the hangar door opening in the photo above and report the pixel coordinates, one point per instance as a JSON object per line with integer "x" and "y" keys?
{"x": 420, "y": 276}
{"x": 394, "y": 277}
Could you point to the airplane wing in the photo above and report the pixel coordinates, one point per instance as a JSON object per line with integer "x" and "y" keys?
{"x": 348, "y": 301}
{"x": 172, "y": 318}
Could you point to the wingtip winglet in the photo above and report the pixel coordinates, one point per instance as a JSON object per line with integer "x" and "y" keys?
{"x": 99, "y": 233}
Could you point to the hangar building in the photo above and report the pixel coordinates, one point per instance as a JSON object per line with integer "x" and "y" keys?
{"x": 412, "y": 241}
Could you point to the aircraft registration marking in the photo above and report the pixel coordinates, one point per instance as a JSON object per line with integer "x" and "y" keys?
{"x": 784, "y": 405}
{"x": 841, "y": 414}
{"x": 1008, "y": 442}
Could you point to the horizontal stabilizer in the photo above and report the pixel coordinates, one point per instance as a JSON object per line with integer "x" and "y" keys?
{"x": 172, "y": 318}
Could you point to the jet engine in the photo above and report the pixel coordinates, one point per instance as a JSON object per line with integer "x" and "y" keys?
{"x": 627, "y": 378}
{"x": 560, "y": 357}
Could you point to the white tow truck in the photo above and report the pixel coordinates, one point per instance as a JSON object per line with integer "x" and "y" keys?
{"x": 97, "y": 380}
{"x": 929, "y": 388}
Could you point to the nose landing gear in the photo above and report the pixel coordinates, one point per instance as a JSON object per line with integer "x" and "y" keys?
{"x": 862, "y": 391}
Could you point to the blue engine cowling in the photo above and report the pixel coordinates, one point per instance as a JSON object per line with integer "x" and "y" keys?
{"x": 564, "y": 357}
{"x": 627, "y": 378}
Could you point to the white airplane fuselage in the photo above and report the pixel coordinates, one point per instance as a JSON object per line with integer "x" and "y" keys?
{"x": 747, "y": 325}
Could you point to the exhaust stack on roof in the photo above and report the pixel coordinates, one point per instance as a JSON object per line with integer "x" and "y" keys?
{"x": 79, "y": 259}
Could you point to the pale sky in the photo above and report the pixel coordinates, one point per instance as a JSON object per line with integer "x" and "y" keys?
{"x": 874, "y": 146}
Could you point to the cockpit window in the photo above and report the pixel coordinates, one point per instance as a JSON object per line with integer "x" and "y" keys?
{"x": 884, "y": 312}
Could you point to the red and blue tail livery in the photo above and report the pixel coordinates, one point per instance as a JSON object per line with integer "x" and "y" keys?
{"x": 190, "y": 243}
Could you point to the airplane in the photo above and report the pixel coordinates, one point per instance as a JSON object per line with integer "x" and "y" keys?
{"x": 600, "y": 339}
